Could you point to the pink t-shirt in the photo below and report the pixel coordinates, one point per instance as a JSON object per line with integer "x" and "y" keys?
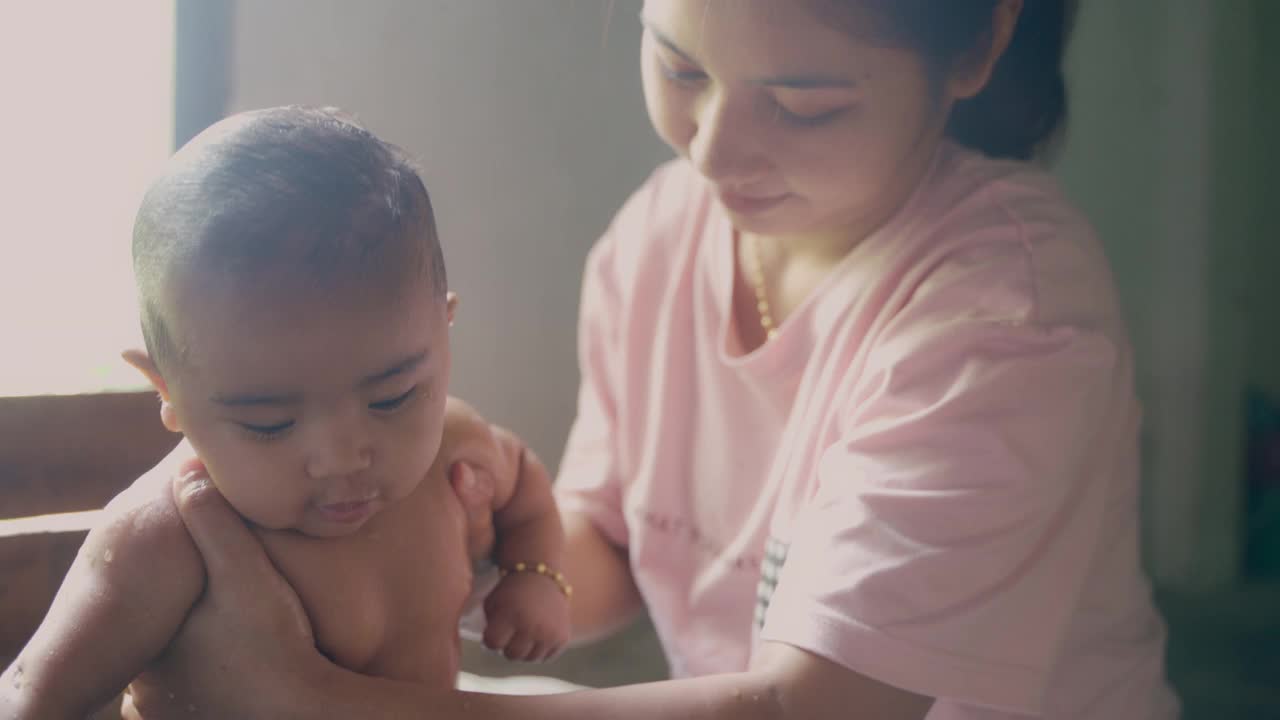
{"x": 929, "y": 476}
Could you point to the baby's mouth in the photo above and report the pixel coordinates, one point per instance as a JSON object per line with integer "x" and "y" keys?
{"x": 347, "y": 511}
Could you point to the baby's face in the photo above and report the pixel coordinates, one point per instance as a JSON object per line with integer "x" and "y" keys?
{"x": 312, "y": 411}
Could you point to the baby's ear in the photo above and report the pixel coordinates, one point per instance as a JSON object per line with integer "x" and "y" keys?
{"x": 145, "y": 365}
{"x": 451, "y": 303}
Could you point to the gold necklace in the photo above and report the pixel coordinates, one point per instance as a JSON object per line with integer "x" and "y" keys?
{"x": 755, "y": 274}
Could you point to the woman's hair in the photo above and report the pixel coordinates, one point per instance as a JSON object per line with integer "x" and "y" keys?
{"x": 1025, "y": 100}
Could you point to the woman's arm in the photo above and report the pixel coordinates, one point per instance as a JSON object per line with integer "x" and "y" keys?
{"x": 605, "y": 596}
{"x": 784, "y": 684}
{"x": 246, "y": 651}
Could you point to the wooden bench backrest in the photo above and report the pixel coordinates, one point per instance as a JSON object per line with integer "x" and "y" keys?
{"x": 62, "y": 454}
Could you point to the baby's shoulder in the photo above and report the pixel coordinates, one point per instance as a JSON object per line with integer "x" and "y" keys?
{"x": 139, "y": 534}
{"x": 146, "y": 507}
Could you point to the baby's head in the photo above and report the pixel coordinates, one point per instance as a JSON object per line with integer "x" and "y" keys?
{"x": 295, "y": 311}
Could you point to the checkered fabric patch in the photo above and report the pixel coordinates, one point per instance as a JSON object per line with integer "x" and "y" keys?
{"x": 775, "y": 554}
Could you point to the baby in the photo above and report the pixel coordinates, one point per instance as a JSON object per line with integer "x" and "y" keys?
{"x": 296, "y": 319}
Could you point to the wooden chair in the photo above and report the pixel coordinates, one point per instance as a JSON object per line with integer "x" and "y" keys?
{"x": 61, "y": 456}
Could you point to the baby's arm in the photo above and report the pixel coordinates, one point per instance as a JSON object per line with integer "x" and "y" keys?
{"x": 126, "y": 594}
{"x": 527, "y": 613}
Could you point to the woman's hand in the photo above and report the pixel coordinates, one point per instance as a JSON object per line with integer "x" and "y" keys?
{"x": 246, "y": 649}
{"x": 470, "y": 445}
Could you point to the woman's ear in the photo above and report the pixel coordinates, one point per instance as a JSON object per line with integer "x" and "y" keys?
{"x": 972, "y": 73}
{"x": 451, "y": 303}
{"x": 145, "y": 365}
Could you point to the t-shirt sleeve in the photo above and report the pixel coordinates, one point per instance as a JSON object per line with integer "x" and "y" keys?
{"x": 594, "y": 473}
{"x": 589, "y": 481}
{"x": 955, "y": 517}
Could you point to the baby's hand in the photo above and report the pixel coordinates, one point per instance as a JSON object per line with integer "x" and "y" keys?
{"x": 527, "y": 617}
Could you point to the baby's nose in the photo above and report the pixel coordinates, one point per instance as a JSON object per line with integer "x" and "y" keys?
{"x": 340, "y": 453}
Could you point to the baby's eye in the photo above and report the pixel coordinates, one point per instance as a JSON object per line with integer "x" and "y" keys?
{"x": 394, "y": 403}
{"x": 267, "y": 432}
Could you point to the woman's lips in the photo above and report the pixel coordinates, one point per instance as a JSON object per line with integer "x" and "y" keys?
{"x": 749, "y": 204}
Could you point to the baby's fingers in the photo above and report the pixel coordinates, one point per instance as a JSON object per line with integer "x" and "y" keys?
{"x": 545, "y": 651}
{"x": 550, "y": 651}
{"x": 498, "y": 634}
{"x": 537, "y": 649}
{"x": 520, "y": 648}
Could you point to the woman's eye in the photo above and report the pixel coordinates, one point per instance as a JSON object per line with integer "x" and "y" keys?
{"x": 809, "y": 119}
{"x": 681, "y": 76}
{"x": 395, "y": 402}
{"x": 267, "y": 432}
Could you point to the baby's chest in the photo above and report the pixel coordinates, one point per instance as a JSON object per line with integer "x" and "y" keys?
{"x": 385, "y": 604}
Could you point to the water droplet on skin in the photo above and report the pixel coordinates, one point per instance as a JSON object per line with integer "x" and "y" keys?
{"x": 107, "y": 555}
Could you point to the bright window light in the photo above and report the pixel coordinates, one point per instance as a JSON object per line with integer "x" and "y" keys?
{"x": 87, "y": 121}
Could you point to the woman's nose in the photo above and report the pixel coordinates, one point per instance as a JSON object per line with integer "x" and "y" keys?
{"x": 724, "y": 148}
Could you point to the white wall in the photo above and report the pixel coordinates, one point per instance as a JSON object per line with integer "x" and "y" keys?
{"x": 1157, "y": 155}
{"x": 529, "y": 123}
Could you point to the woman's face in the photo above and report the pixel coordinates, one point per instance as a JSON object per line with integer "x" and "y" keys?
{"x": 799, "y": 126}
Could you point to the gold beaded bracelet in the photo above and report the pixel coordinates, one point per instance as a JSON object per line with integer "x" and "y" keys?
{"x": 542, "y": 569}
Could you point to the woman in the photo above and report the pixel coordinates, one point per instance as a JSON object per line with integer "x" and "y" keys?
{"x": 856, "y": 424}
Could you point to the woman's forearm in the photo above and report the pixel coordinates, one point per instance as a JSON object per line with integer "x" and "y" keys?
{"x": 741, "y": 696}
{"x": 605, "y": 597}
{"x": 786, "y": 684}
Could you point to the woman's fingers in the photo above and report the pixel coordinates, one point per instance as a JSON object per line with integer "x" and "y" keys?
{"x": 475, "y": 492}
{"x": 234, "y": 559}
{"x": 246, "y": 644}
{"x": 218, "y": 532}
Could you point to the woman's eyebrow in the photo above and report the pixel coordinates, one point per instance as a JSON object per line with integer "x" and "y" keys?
{"x": 816, "y": 81}
{"x": 666, "y": 41}
{"x": 801, "y": 81}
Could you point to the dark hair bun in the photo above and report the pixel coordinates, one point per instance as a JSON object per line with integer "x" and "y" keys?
{"x": 1025, "y": 101}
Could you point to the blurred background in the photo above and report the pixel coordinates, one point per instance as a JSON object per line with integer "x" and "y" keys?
{"x": 527, "y": 118}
